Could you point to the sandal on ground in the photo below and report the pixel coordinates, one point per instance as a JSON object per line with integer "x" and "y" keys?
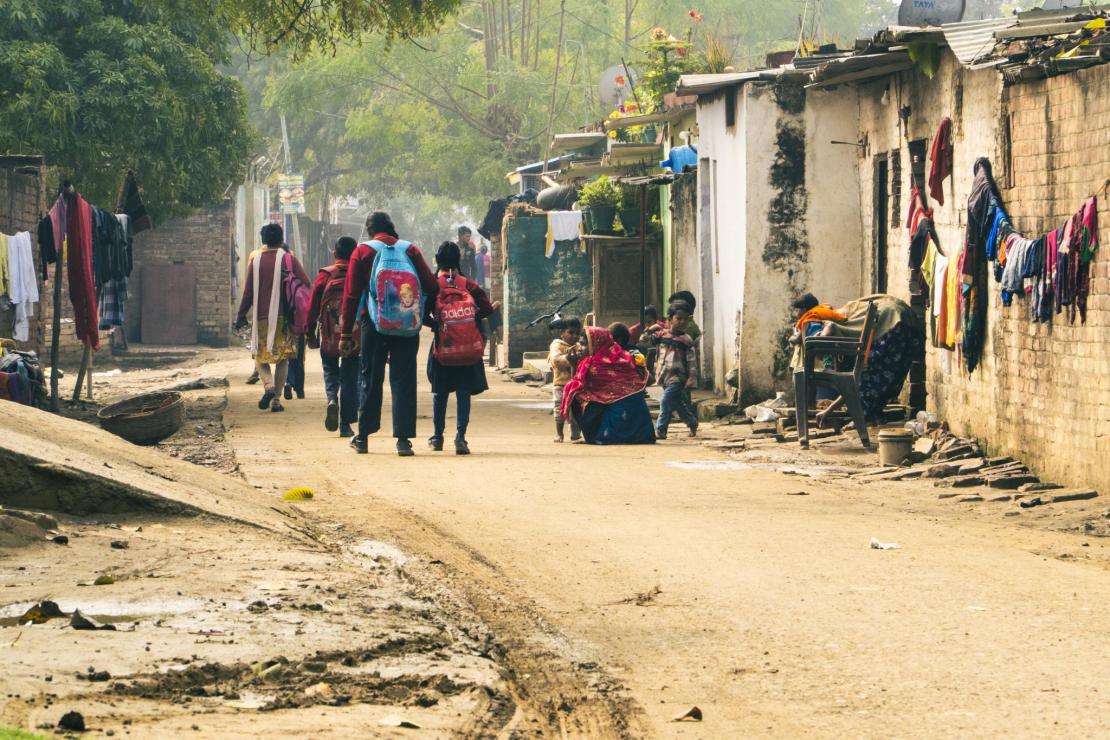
{"x": 264, "y": 402}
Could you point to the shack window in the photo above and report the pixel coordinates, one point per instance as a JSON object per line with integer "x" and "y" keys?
{"x": 730, "y": 107}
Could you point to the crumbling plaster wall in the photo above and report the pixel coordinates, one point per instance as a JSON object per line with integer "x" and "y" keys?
{"x": 787, "y": 214}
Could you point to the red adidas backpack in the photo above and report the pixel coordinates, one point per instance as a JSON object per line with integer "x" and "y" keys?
{"x": 331, "y": 306}
{"x": 459, "y": 342}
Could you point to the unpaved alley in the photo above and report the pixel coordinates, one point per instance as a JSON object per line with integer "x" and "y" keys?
{"x": 665, "y": 577}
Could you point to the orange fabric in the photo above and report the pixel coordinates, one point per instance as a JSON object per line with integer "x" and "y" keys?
{"x": 821, "y": 313}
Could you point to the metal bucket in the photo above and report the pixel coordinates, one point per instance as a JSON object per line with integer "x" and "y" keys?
{"x": 895, "y": 445}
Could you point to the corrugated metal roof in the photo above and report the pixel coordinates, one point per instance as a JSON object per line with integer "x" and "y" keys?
{"x": 706, "y": 84}
{"x": 862, "y": 67}
{"x": 972, "y": 39}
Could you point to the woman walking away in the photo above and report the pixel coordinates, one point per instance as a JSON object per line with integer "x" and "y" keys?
{"x": 340, "y": 370}
{"x": 455, "y": 364}
{"x": 388, "y": 288}
{"x": 272, "y": 341}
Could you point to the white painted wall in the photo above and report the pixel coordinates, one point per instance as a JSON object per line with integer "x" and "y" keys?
{"x": 750, "y": 298}
{"x": 724, "y": 265}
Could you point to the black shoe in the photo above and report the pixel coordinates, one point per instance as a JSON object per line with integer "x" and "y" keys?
{"x": 660, "y": 435}
{"x": 288, "y": 393}
{"x": 264, "y": 402}
{"x": 345, "y": 431}
{"x": 404, "y": 447}
{"x": 253, "y": 379}
{"x": 276, "y": 407}
{"x": 461, "y": 448}
{"x": 435, "y": 444}
{"x": 359, "y": 445}
{"x": 300, "y": 395}
{"x": 331, "y": 417}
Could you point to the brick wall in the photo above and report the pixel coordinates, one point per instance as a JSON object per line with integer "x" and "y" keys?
{"x": 205, "y": 240}
{"x": 1042, "y": 392}
{"x": 21, "y": 204}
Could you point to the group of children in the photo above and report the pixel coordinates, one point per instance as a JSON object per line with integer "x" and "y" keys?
{"x": 670, "y": 348}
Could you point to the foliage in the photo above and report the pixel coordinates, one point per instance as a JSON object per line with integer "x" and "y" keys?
{"x": 446, "y": 115}
{"x": 7, "y": 733}
{"x": 320, "y": 25}
{"x": 600, "y": 192}
{"x": 100, "y": 87}
{"x": 668, "y": 59}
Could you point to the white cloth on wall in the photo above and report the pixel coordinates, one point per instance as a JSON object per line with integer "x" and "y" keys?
{"x": 940, "y": 276}
{"x": 562, "y": 226}
{"x": 24, "y": 291}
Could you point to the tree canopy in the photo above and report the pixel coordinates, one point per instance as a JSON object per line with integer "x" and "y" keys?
{"x": 102, "y": 86}
{"x": 447, "y": 114}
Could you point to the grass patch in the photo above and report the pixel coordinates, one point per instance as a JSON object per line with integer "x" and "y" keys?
{"x": 7, "y": 733}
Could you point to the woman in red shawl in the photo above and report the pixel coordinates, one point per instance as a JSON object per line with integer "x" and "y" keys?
{"x": 607, "y": 395}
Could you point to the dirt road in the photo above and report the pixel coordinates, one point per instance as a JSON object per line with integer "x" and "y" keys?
{"x": 656, "y": 578}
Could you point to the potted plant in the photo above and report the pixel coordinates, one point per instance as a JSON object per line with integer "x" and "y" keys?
{"x": 630, "y": 210}
{"x": 598, "y": 200}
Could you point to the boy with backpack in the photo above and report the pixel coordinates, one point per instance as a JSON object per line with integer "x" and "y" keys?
{"x": 340, "y": 369}
{"x": 388, "y": 288}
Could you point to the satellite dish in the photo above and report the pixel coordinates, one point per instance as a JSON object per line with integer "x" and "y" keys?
{"x": 615, "y": 85}
{"x": 930, "y": 12}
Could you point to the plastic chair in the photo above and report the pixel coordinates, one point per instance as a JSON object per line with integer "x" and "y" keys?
{"x": 846, "y": 382}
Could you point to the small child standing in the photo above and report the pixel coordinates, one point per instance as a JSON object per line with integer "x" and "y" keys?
{"x": 676, "y": 369}
{"x": 563, "y": 355}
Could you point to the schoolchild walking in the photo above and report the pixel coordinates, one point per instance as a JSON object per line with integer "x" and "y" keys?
{"x": 388, "y": 288}
{"x": 563, "y": 356}
{"x": 456, "y": 362}
{"x": 341, "y": 380}
{"x": 676, "y": 369}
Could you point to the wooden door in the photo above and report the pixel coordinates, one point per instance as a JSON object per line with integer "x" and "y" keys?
{"x": 169, "y": 311}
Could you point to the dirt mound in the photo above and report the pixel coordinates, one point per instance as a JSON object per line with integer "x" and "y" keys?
{"x": 56, "y": 464}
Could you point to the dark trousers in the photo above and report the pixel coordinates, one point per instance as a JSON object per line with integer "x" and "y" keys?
{"x": 401, "y": 354}
{"x": 341, "y": 384}
{"x": 295, "y": 378}
{"x": 462, "y": 413}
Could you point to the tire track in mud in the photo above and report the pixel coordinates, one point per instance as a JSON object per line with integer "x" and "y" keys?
{"x": 556, "y": 694}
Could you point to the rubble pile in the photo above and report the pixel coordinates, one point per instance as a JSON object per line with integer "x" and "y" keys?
{"x": 959, "y": 462}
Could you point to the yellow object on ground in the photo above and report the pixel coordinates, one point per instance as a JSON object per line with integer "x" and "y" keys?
{"x": 299, "y": 494}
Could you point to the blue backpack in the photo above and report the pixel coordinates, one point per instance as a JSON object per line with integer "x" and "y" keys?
{"x": 396, "y": 300}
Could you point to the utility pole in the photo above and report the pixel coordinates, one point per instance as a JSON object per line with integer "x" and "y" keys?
{"x": 288, "y": 166}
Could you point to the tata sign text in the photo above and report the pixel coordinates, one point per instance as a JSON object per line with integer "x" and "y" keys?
{"x": 930, "y": 12}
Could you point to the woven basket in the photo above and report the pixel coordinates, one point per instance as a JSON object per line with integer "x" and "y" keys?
{"x": 145, "y": 419}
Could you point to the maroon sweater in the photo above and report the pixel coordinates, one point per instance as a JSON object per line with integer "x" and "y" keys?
{"x": 358, "y": 277}
{"x": 265, "y": 261}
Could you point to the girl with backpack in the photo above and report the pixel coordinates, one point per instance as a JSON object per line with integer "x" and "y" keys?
{"x": 271, "y": 272}
{"x": 388, "y": 287}
{"x": 456, "y": 362}
{"x": 340, "y": 369}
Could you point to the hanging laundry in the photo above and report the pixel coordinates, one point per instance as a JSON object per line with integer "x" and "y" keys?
{"x": 24, "y": 289}
{"x": 48, "y": 250}
{"x": 562, "y": 226}
{"x": 130, "y": 202}
{"x": 918, "y": 209}
{"x": 79, "y": 268}
{"x": 5, "y": 271}
{"x": 940, "y": 160}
